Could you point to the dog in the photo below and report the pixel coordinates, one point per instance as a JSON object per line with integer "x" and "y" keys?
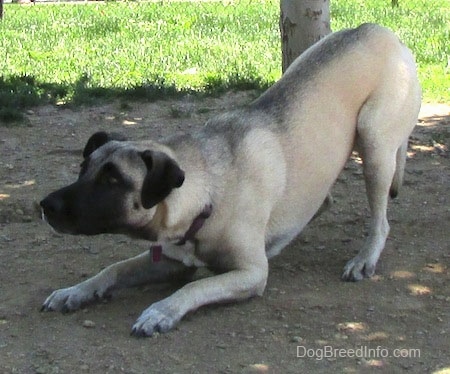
{"x": 233, "y": 194}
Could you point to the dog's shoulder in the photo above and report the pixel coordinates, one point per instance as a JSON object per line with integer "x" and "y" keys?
{"x": 227, "y": 130}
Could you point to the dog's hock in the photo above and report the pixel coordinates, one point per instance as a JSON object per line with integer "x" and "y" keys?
{"x": 163, "y": 175}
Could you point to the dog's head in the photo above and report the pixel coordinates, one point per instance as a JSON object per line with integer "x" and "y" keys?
{"x": 117, "y": 189}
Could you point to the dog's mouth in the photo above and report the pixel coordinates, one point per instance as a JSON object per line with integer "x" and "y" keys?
{"x": 43, "y": 216}
{"x": 60, "y": 224}
{"x": 58, "y": 216}
{"x": 64, "y": 225}
{"x": 55, "y": 225}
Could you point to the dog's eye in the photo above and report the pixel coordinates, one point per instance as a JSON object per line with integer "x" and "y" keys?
{"x": 105, "y": 179}
{"x": 109, "y": 175}
{"x": 112, "y": 180}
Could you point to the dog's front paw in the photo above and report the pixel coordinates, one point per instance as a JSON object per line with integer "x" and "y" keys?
{"x": 159, "y": 317}
{"x": 68, "y": 299}
{"x": 357, "y": 269}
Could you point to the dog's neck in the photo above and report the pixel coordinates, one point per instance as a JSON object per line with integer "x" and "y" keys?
{"x": 156, "y": 250}
{"x": 196, "y": 225}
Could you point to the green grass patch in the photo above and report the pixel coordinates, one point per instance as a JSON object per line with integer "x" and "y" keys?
{"x": 423, "y": 25}
{"x": 79, "y": 53}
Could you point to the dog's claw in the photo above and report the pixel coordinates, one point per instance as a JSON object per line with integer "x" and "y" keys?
{"x": 65, "y": 300}
{"x": 44, "y": 308}
{"x": 138, "y": 334}
{"x": 356, "y": 270}
{"x": 158, "y": 318}
{"x": 350, "y": 277}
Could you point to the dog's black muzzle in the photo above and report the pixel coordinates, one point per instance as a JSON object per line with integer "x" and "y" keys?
{"x": 86, "y": 208}
{"x": 55, "y": 211}
{"x": 52, "y": 207}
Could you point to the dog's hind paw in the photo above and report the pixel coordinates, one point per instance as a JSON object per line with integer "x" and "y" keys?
{"x": 357, "y": 269}
{"x": 158, "y": 318}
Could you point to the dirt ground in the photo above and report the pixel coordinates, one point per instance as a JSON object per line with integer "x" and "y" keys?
{"x": 308, "y": 321}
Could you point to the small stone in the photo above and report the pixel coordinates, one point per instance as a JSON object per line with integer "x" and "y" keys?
{"x": 88, "y": 324}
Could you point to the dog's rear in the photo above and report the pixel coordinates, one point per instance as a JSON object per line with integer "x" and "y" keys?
{"x": 384, "y": 124}
{"x": 359, "y": 90}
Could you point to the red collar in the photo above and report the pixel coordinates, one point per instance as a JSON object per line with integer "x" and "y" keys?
{"x": 196, "y": 225}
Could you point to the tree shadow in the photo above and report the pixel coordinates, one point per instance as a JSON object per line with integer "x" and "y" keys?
{"x": 18, "y": 93}
{"x": 432, "y": 135}
{"x": 21, "y": 92}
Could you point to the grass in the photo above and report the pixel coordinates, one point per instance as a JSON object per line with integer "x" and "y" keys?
{"x": 69, "y": 53}
{"x": 423, "y": 25}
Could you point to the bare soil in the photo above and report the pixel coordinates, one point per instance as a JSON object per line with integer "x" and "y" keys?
{"x": 306, "y": 309}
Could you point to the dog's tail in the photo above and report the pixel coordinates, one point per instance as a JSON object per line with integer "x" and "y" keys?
{"x": 399, "y": 170}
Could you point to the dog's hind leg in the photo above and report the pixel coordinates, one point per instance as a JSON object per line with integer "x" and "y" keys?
{"x": 382, "y": 134}
{"x": 383, "y": 126}
{"x": 379, "y": 167}
{"x": 327, "y": 203}
{"x": 399, "y": 170}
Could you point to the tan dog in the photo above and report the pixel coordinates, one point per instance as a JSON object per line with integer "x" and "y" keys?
{"x": 235, "y": 193}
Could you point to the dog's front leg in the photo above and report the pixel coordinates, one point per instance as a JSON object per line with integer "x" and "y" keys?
{"x": 128, "y": 273}
{"x": 234, "y": 285}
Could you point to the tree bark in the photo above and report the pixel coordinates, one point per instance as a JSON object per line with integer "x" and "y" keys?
{"x": 302, "y": 23}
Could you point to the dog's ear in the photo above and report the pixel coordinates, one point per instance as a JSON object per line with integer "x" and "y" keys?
{"x": 163, "y": 175}
{"x": 98, "y": 139}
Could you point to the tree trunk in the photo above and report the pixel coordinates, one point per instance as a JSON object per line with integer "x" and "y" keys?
{"x": 302, "y": 23}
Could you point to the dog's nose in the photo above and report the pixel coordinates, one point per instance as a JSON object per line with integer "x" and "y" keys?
{"x": 52, "y": 205}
